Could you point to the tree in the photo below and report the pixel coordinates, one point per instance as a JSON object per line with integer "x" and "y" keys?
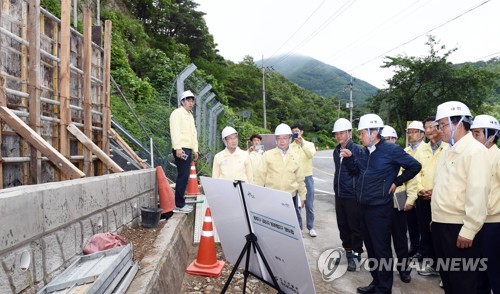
{"x": 420, "y": 84}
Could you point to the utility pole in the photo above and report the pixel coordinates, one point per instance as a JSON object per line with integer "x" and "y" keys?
{"x": 264, "y": 92}
{"x": 350, "y": 100}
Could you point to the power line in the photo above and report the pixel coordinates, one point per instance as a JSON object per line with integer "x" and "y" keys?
{"x": 427, "y": 32}
{"x": 325, "y": 24}
{"x": 487, "y": 56}
{"x": 296, "y": 31}
{"x": 371, "y": 33}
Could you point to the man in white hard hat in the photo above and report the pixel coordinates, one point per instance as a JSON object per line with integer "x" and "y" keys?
{"x": 389, "y": 134}
{"x": 232, "y": 163}
{"x": 416, "y": 134}
{"x": 346, "y": 204}
{"x": 281, "y": 167}
{"x": 378, "y": 167}
{"x": 306, "y": 151}
{"x": 184, "y": 147}
{"x": 428, "y": 158}
{"x": 459, "y": 197}
{"x": 486, "y": 130}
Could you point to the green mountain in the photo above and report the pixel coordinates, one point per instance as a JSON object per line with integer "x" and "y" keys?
{"x": 320, "y": 78}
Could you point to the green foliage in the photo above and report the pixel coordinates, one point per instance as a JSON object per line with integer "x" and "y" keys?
{"x": 52, "y": 6}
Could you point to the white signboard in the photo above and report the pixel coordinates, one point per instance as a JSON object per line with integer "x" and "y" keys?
{"x": 274, "y": 222}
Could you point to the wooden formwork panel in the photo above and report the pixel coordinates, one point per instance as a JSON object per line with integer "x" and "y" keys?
{"x": 14, "y": 68}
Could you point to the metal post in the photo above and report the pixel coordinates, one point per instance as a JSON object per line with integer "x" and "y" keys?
{"x": 181, "y": 78}
{"x": 151, "y": 151}
{"x": 350, "y": 100}
{"x": 264, "y": 92}
{"x": 199, "y": 103}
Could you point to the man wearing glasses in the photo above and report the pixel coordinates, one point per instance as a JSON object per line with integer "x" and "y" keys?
{"x": 459, "y": 198}
{"x": 378, "y": 165}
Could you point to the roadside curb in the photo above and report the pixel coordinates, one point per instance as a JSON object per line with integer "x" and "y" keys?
{"x": 162, "y": 269}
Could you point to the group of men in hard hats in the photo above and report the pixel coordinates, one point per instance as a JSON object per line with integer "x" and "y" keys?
{"x": 452, "y": 182}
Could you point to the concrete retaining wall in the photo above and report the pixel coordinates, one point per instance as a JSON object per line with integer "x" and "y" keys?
{"x": 43, "y": 227}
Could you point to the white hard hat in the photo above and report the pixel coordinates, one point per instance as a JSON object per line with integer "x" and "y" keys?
{"x": 341, "y": 124}
{"x": 370, "y": 121}
{"x": 228, "y": 131}
{"x": 417, "y": 125}
{"x": 452, "y": 108}
{"x": 485, "y": 121}
{"x": 282, "y": 129}
{"x": 186, "y": 94}
{"x": 388, "y": 131}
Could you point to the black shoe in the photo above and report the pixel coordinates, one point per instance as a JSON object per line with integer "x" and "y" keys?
{"x": 412, "y": 251}
{"x": 405, "y": 277}
{"x": 418, "y": 257}
{"x": 366, "y": 290}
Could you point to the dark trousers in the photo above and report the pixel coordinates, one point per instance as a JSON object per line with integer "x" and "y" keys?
{"x": 490, "y": 249}
{"x": 349, "y": 223}
{"x": 400, "y": 240}
{"x": 424, "y": 219}
{"x": 183, "y": 169}
{"x": 413, "y": 231}
{"x": 445, "y": 237}
{"x": 376, "y": 225}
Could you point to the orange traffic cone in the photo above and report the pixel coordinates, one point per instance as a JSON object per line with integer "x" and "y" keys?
{"x": 206, "y": 264}
{"x": 193, "y": 182}
{"x": 167, "y": 198}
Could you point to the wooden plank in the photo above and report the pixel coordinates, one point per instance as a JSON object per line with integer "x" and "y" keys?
{"x": 65, "y": 76}
{"x": 55, "y": 93}
{"x": 106, "y": 113}
{"x": 94, "y": 148}
{"x": 87, "y": 89}
{"x": 61, "y": 162}
{"x": 127, "y": 148}
{"x": 24, "y": 146}
{"x": 34, "y": 88}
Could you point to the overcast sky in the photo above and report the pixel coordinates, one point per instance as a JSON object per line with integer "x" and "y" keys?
{"x": 353, "y": 35}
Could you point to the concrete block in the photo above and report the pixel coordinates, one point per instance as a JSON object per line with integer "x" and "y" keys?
{"x": 52, "y": 253}
{"x": 21, "y": 277}
{"x": 132, "y": 185}
{"x": 62, "y": 204}
{"x": 38, "y": 269}
{"x": 115, "y": 188}
{"x": 67, "y": 240}
{"x": 5, "y": 286}
{"x": 94, "y": 195}
{"x": 20, "y": 205}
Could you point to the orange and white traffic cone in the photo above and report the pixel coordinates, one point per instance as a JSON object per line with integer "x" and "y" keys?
{"x": 206, "y": 264}
{"x": 167, "y": 198}
{"x": 192, "y": 188}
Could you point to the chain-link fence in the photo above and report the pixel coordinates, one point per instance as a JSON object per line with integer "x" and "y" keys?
{"x": 145, "y": 127}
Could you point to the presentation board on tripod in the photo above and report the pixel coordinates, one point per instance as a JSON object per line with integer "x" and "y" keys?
{"x": 272, "y": 219}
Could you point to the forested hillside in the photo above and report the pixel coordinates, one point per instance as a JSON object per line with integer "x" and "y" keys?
{"x": 321, "y": 78}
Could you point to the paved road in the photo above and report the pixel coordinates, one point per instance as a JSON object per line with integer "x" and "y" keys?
{"x": 328, "y": 238}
